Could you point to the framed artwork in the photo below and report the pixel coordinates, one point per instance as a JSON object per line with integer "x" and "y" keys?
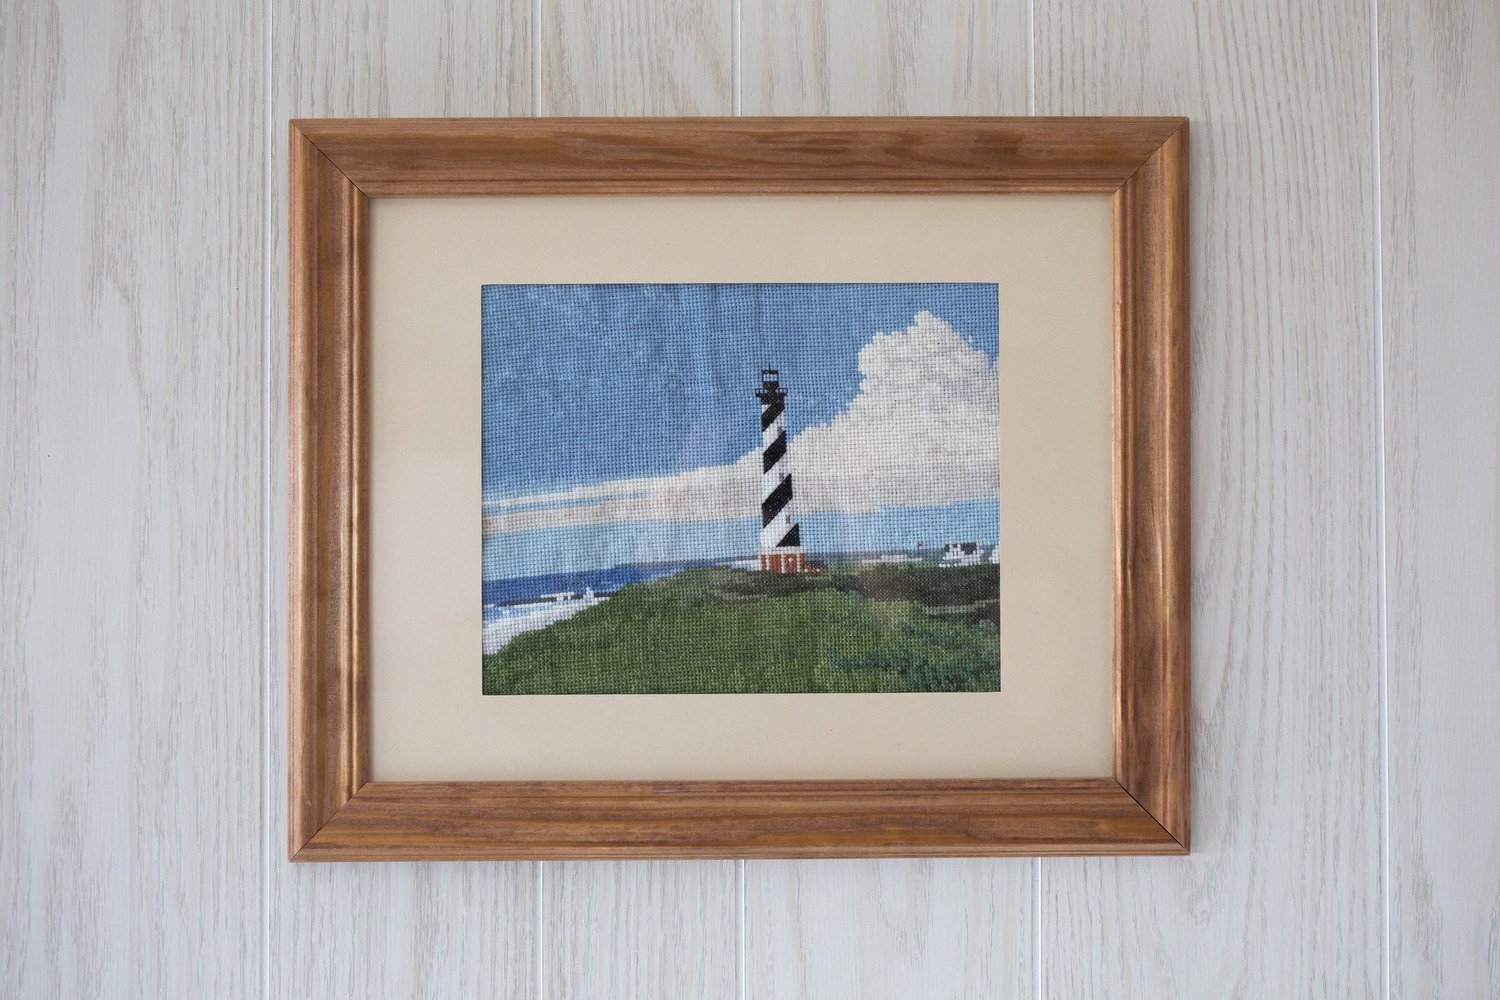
{"x": 665, "y": 514}
{"x": 738, "y": 488}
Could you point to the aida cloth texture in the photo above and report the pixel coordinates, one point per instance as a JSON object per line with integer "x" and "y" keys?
{"x": 740, "y": 488}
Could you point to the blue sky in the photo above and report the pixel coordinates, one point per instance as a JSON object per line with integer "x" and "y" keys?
{"x": 587, "y": 384}
{"x": 590, "y": 382}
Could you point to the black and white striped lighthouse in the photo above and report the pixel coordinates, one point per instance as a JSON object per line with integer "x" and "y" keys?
{"x": 780, "y": 538}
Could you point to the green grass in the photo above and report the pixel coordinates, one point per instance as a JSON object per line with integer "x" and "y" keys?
{"x": 882, "y": 628}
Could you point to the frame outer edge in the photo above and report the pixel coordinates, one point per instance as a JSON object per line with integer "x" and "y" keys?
{"x": 550, "y": 820}
{"x": 328, "y": 580}
{"x": 327, "y": 696}
{"x": 444, "y": 157}
{"x": 1152, "y": 500}
{"x": 301, "y": 294}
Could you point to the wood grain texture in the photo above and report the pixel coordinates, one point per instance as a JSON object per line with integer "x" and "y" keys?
{"x": 621, "y": 929}
{"x": 1282, "y": 896}
{"x": 958, "y": 928}
{"x": 604, "y": 924}
{"x": 436, "y": 157}
{"x": 888, "y": 930}
{"x": 430, "y": 820}
{"x": 467, "y": 58}
{"x": 1152, "y": 636}
{"x": 866, "y": 930}
{"x": 130, "y": 517}
{"x": 129, "y": 369}
{"x": 368, "y": 930}
{"x": 428, "y": 931}
{"x": 892, "y": 57}
{"x": 1440, "y": 215}
{"x": 635, "y": 57}
{"x": 130, "y": 571}
{"x": 327, "y": 473}
{"x": 636, "y": 930}
{"x": 334, "y": 818}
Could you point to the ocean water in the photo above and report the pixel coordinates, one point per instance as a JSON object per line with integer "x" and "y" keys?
{"x": 520, "y": 589}
{"x": 508, "y": 611}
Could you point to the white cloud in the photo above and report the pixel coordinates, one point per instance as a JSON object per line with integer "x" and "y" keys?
{"x": 921, "y": 431}
{"x": 714, "y": 493}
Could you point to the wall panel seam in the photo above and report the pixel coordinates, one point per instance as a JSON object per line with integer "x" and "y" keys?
{"x": 736, "y": 57}
{"x": 536, "y": 58}
{"x": 740, "y": 944}
{"x": 1036, "y": 927}
{"x": 267, "y": 396}
{"x": 1377, "y": 197}
{"x": 737, "y": 71}
{"x": 539, "y": 882}
{"x": 1031, "y": 57}
{"x": 1036, "y": 872}
{"x": 540, "y": 937}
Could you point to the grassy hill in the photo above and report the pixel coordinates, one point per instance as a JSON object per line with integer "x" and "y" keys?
{"x": 877, "y": 628}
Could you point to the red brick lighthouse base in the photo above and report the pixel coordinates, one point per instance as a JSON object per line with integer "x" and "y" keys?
{"x": 788, "y": 561}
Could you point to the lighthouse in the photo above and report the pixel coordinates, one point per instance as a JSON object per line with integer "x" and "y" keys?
{"x": 780, "y": 538}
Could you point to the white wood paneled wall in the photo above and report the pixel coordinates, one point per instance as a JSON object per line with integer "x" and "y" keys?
{"x": 1346, "y": 511}
{"x": 1282, "y": 896}
{"x": 1439, "y": 94}
{"x": 131, "y": 550}
{"x": 465, "y": 930}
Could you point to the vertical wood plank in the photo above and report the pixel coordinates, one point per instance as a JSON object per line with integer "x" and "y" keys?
{"x": 636, "y": 929}
{"x": 636, "y": 57}
{"x": 402, "y": 930}
{"x": 1440, "y": 218}
{"x": 130, "y": 573}
{"x": 412, "y": 930}
{"x": 886, "y": 928}
{"x": 1282, "y": 896}
{"x": 891, "y": 57}
{"x": 664, "y": 930}
{"x": 865, "y": 930}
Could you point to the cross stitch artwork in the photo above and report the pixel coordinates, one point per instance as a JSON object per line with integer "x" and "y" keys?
{"x": 740, "y": 488}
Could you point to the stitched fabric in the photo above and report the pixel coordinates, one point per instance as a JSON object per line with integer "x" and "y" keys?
{"x": 740, "y": 488}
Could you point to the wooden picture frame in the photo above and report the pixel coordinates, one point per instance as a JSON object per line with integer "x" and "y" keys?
{"x": 337, "y": 813}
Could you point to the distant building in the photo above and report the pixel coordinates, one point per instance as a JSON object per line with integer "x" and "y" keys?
{"x": 962, "y": 554}
{"x": 889, "y": 559}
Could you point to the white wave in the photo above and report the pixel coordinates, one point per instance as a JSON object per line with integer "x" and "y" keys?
{"x": 519, "y": 619}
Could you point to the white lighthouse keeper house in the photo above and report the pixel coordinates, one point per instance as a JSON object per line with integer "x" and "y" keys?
{"x": 780, "y": 537}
